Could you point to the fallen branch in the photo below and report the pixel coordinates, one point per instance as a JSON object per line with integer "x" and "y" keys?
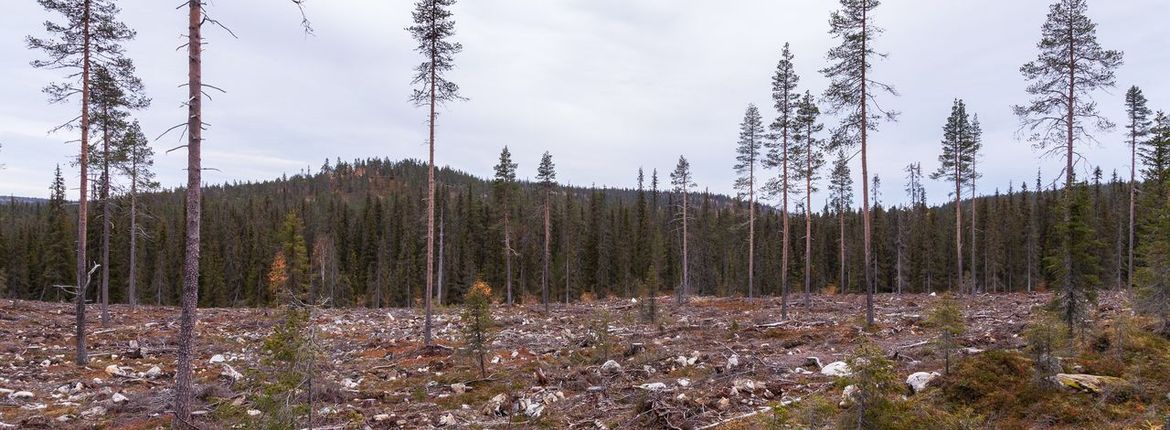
{"x": 735, "y": 418}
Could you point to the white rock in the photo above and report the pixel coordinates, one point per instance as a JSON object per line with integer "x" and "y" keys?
{"x": 681, "y": 361}
{"x": 256, "y": 413}
{"x": 836, "y": 368}
{"x": 448, "y": 420}
{"x": 611, "y": 367}
{"x": 733, "y": 362}
{"x": 744, "y": 385}
{"x": 216, "y": 359}
{"x": 918, "y": 380}
{"x": 5, "y": 391}
{"x": 723, "y": 403}
{"x": 681, "y": 397}
{"x": 231, "y": 373}
{"x": 4, "y": 425}
{"x": 119, "y": 398}
{"x": 847, "y": 395}
{"x": 653, "y": 386}
{"x": 46, "y": 363}
{"x": 21, "y": 395}
{"x": 349, "y": 383}
{"x": 114, "y": 370}
{"x": 154, "y": 372}
{"x": 382, "y": 417}
{"x": 460, "y": 388}
{"x": 95, "y": 411}
{"x": 496, "y": 360}
{"x": 683, "y": 382}
{"x": 932, "y": 294}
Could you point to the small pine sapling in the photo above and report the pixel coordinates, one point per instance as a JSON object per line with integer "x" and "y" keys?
{"x": 1045, "y": 338}
{"x": 876, "y": 383}
{"x": 601, "y": 337}
{"x": 477, "y": 322}
{"x": 948, "y": 320}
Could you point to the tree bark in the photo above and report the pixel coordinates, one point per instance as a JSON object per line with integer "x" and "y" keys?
{"x": 430, "y": 202}
{"x": 105, "y": 198}
{"x": 547, "y": 253}
{"x": 784, "y": 241}
{"x": 190, "y": 298}
{"x": 508, "y": 254}
{"x": 808, "y": 219}
{"x": 439, "y": 281}
{"x": 865, "y": 172}
{"x": 132, "y": 288}
{"x": 82, "y": 278}
{"x": 959, "y": 222}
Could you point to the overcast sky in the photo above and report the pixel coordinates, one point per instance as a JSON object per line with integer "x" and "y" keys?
{"x": 605, "y": 85}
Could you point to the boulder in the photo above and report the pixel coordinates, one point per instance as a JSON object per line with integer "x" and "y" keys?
{"x": 448, "y": 420}
{"x": 256, "y": 413}
{"x": 154, "y": 372}
{"x": 21, "y": 395}
{"x": 611, "y": 367}
{"x": 119, "y": 398}
{"x": 216, "y": 359}
{"x": 918, "y": 380}
{"x": 837, "y": 368}
{"x": 231, "y": 373}
{"x": 653, "y": 386}
{"x": 812, "y": 362}
{"x": 459, "y": 388}
{"x": 1093, "y": 384}
{"x": 847, "y": 396}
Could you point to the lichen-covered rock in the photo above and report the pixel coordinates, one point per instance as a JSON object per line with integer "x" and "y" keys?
{"x": 837, "y": 368}
{"x": 919, "y": 380}
{"x": 1093, "y": 384}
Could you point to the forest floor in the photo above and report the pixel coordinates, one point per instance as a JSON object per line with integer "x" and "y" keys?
{"x": 711, "y": 361}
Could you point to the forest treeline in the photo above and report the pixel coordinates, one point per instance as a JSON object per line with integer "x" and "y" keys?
{"x": 360, "y": 227}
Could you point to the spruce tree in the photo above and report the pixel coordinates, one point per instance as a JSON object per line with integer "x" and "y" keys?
{"x": 751, "y": 139}
{"x": 433, "y": 28}
{"x": 1070, "y": 67}
{"x": 852, "y": 94}
{"x": 546, "y": 175}
{"x": 1138, "y": 127}
{"x": 785, "y": 99}
{"x": 137, "y": 166}
{"x": 505, "y": 190}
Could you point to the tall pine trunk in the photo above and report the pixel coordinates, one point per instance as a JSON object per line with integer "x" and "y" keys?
{"x": 430, "y": 208}
{"x": 439, "y": 281}
{"x": 959, "y": 223}
{"x": 974, "y": 279}
{"x": 82, "y": 277}
{"x": 751, "y": 231}
{"x": 105, "y": 198}
{"x": 784, "y": 241}
{"x": 508, "y": 254}
{"x": 547, "y": 254}
{"x": 866, "y": 219}
{"x": 841, "y": 224}
{"x": 183, "y": 372}
{"x": 1132, "y": 204}
{"x": 132, "y": 288}
{"x": 808, "y": 222}
{"x": 686, "y": 281}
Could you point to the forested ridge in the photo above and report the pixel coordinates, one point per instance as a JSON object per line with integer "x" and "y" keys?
{"x": 361, "y": 227}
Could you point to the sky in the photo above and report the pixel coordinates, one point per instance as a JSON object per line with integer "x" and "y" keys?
{"x": 606, "y": 86}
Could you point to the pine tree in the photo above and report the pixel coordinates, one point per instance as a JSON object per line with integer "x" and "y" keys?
{"x": 547, "y": 176}
{"x": 682, "y": 181}
{"x": 840, "y": 199}
{"x": 433, "y": 29}
{"x": 785, "y": 99}
{"x": 1075, "y": 266}
{"x": 1138, "y": 127}
{"x": 956, "y": 164}
{"x": 477, "y": 323}
{"x": 139, "y": 160}
{"x": 751, "y": 138}
{"x": 852, "y": 93}
{"x": 505, "y": 190}
{"x": 1070, "y": 67}
{"x": 90, "y": 36}
{"x": 811, "y": 159}
{"x": 56, "y": 266}
{"x": 976, "y": 136}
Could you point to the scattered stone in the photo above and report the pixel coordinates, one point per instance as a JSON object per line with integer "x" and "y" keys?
{"x": 683, "y": 382}
{"x": 21, "y": 395}
{"x": 1086, "y": 383}
{"x": 95, "y": 411}
{"x": 971, "y": 351}
{"x": 812, "y": 362}
{"x": 836, "y": 368}
{"x": 919, "y": 380}
{"x": 723, "y": 403}
{"x": 682, "y": 361}
{"x": 216, "y": 359}
{"x": 231, "y": 373}
{"x": 154, "y": 372}
{"x": 733, "y": 362}
{"x": 747, "y": 385}
{"x": 256, "y": 413}
{"x": 46, "y": 363}
{"x": 847, "y": 395}
{"x": 114, "y": 370}
{"x": 448, "y": 420}
{"x": 119, "y": 398}
{"x": 653, "y": 386}
{"x": 350, "y": 383}
{"x": 460, "y": 388}
{"x": 611, "y": 367}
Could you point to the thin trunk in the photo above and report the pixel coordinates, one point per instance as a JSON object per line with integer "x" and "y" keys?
{"x": 105, "y": 198}
{"x": 1068, "y": 190}
{"x": 1132, "y": 200}
{"x": 784, "y": 242}
{"x": 959, "y": 224}
{"x": 751, "y": 230}
{"x": 439, "y": 282}
{"x": 82, "y": 279}
{"x": 686, "y": 281}
{"x": 808, "y": 221}
{"x": 508, "y": 254}
{"x": 901, "y": 247}
{"x": 974, "y": 281}
{"x": 132, "y": 288}
{"x": 430, "y": 205}
{"x": 865, "y": 172}
{"x": 547, "y": 253}
{"x": 183, "y": 374}
{"x": 841, "y": 223}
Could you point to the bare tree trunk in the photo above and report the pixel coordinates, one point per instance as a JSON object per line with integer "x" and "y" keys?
{"x": 751, "y": 234}
{"x": 901, "y": 245}
{"x": 784, "y": 240}
{"x": 1132, "y": 200}
{"x": 439, "y": 283}
{"x": 686, "y": 281}
{"x": 82, "y": 279}
{"x": 508, "y": 254}
{"x": 132, "y": 288}
{"x": 105, "y": 198}
{"x": 865, "y": 173}
{"x": 841, "y": 222}
{"x": 430, "y": 212}
{"x": 183, "y": 374}
{"x": 959, "y": 224}
{"x": 547, "y": 254}
{"x": 974, "y": 279}
{"x": 808, "y": 221}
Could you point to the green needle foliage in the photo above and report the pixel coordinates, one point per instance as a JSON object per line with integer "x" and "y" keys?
{"x": 477, "y": 323}
{"x": 948, "y": 320}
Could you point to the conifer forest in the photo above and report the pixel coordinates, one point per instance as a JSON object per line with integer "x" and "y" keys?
{"x": 808, "y": 270}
